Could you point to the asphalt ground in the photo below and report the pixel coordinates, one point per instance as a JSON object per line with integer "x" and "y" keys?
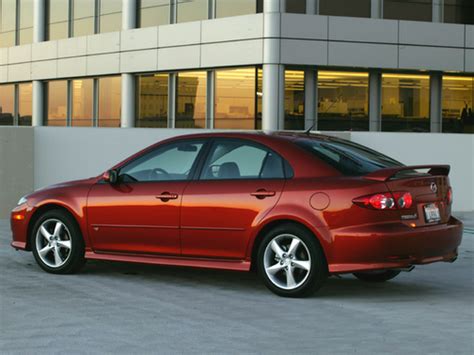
{"x": 140, "y": 309}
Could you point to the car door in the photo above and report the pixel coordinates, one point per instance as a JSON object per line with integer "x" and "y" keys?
{"x": 239, "y": 183}
{"x": 140, "y": 213}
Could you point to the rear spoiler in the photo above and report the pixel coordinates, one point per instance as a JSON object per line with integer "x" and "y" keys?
{"x": 388, "y": 173}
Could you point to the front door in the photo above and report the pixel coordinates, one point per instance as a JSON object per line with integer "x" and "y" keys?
{"x": 140, "y": 214}
{"x": 240, "y": 182}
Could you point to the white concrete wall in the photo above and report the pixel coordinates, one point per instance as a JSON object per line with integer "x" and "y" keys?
{"x": 65, "y": 154}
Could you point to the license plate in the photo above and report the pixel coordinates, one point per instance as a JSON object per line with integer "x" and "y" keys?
{"x": 432, "y": 213}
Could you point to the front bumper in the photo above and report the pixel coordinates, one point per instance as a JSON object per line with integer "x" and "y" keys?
{"x": 19, "y": 221}
{"x": 394, "y": 245}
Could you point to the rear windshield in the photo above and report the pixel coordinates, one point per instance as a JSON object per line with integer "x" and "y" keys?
{"x": 349, "y": 158}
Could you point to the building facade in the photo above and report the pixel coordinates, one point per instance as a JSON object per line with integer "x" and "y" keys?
{"x": 335, "y": 65}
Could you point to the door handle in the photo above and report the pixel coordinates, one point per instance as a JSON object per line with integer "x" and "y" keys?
{"x": 262, "y": 193}
{"x": 166, "y": 196}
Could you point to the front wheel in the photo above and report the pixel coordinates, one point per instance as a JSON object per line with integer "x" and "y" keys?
{"x": 57, "y": 243}
{"x": 376, "y": 276}
{"x": 291, "y": 261}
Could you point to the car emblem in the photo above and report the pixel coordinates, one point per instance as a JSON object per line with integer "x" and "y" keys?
{"x": 434, "y": 187}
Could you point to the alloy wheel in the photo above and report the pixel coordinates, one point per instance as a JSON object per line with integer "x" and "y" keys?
{"x": 53, "y": 243}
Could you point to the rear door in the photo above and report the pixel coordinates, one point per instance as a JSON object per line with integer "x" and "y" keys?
{"x": 239, "y": 183}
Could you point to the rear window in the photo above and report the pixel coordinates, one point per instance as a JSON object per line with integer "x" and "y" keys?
{"x": 349, "y": 158}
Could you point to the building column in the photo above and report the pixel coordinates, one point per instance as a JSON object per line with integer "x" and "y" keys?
{"x": 376, "y": 9}
{"x": 312, "y": 7}
{"x": 210, "y": 99}
{"x": 39, "y": 31}
{"x": 438, "y": 10}
{"x": 310, "y": 99}
{"x": 436, "y": 110}
{"x": 273, "y": 71}
{"x": 375, "y": 101}
{"x": 129, "y": 21}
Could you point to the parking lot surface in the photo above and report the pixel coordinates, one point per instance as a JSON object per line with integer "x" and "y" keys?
{"x": 140, "y": 309}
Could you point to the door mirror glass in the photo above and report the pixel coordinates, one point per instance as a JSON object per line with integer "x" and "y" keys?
{"x": 110, "y": 176}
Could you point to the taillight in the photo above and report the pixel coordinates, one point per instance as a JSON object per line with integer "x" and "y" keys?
{"x": 386, "y": 201}
{"x": 449, "y": 196}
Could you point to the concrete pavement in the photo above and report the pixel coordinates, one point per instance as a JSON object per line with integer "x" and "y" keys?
{"x": 140, "y": 309}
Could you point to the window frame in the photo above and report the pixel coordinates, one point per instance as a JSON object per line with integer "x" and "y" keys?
{"x": 287, "y": 170}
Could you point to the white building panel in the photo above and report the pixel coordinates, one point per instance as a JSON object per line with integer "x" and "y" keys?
{"x": 103, "y": 64}
{"x": 19, "y": 72}
{"x": 470, "y": 36}
{"x": 139, "y": 61}
{"x": 364, "y": 55}
{"x": 44, "y": 50}
{"x": 72, "y": 47}
{"x": 304, "y": 52}
{"x": 71, "y": 67}
{"x": 3, "y": 56}
{"x": 431, "y": 58}
{"x": 140, "y": 38}
{"x": 19, "y": 54}
{"x": 3, "y": 74}
{"x": 231, "y": 53}
{"x": 179, "y": 34}
{"x": 175, "y": 58}
{"x": 363, "y": 30}
{"x": 304, "y": 26}
{"x": 103, "y": 43}
{"x": 431, "y": 34}
{"x": 232, "y": 28}
{"x": 469, "y": 54}
{"x": 45, "y": 69}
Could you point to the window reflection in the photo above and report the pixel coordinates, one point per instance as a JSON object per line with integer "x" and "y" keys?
{"x": 152, "y": 101}
{"x": 154, "y": 13}
{"x": 7, "y": 23}
{"x": 235, "y": 98}
{"x": 25, "y": 92}
{"x": 458, "y": 104}
{"x": 419, "y": 10}
{"x": 294, "y": 99}
{"x": 58, "y": 15}
{"x": 259, "y": 97}
{"x": 7, "y": 105}
{"x": 191, "y": 100}
{"x": 405, "y": 103}
{"x": 226, "y": 8}
{"x": 192, "y": 10}
{"x": 82, "y": 102}
{"x": 26, "y": 22}
{"x": 353, "y": 8}
{"x": 110, "y": 15}
{"x": 343, "y": 101}
{"x": 110, "y": 101}
{"x": 57, "y": 103}
{"x": 296, "y": 6}
{"x": 84, "y": 12}
{"x": 459, "y": 11}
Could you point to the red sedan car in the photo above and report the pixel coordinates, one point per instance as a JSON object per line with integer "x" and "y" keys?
{"x": 295, "y": 207}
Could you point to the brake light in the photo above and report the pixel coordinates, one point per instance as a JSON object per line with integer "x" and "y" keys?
{"x": 386, "y": 201}
{"x": 449, "y": 196}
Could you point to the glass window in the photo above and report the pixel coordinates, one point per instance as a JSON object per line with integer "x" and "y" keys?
{"x": 152, "y": 101}
{"x": 405, "y": 103}
{"x": 192, "y": 10}
{"x": 84, "y": 21}
{"x": 258, "y": 118}
{"x": 459, "y": 11}
{"x": 226, "y": 8}
{"x": 110, "y": 101}
{"x": 7, "y": 23}
{"x": 191, "y": 100}
{"x": 26, "y": 22}
{"x": 296, "y": 6}
{"x": 294, "y": 99}
{"x": 343, "y": 101}
{"x": 235, "y": 98}
{"x": 7, "y": 105}
{"x": 352, "y": 8}
{"x": 236, "y": 159}
{"x": 154, "y": 13}
{"x": 172, "y": 162}
{"x": 458, "y": 104}
{"x": 58, "y": 15}
{"x": 419, "y": 10}
{"x": 82, "y": 102}
{"x": 110, "y": 15}
{"x": 57, "y": 103}
{"x": 25, "y": 92}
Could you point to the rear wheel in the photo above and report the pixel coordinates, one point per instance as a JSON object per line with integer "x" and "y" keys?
{"x": 376, "y": 276}
{"x": 57, "y": 243}
{"x": 291, "y": 261}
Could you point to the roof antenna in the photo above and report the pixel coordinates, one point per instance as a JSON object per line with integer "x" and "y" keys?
{"x": 308, "y": 131}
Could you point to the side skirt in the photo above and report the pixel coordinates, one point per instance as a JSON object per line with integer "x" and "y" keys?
{"x": 237, "y": 265}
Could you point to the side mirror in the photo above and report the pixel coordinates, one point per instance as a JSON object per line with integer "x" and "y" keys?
{"x": 110, "y": 176}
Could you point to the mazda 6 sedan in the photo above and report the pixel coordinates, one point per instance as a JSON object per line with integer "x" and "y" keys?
{"x": 295, "y": 207}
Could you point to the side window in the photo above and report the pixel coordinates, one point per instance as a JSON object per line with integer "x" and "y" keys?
{"x": 235, "y": 159}
{"x": 169, "y": 163}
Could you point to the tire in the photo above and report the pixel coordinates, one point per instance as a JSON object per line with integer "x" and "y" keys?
{"x": 295, "y": 251}
{"x": 377, "y": 276}
{"x": 57, "y": 243}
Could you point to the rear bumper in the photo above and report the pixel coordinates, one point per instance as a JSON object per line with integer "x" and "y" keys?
{"x": 394, "y": 245}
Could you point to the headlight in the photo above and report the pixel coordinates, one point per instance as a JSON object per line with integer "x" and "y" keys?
{"x": 22, "y": 201}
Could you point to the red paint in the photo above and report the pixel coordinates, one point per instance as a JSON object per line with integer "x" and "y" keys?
{"x": 215, "y": 224}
